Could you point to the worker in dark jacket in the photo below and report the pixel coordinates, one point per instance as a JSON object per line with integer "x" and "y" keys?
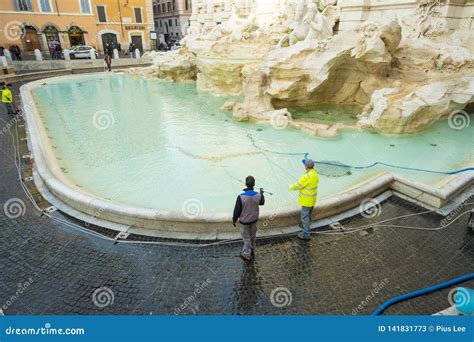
{"x": 246, "y": 211}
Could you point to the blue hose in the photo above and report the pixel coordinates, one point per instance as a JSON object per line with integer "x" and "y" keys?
{"x": 421, "y": 292}
{"x": 306, "y": 154}
{"x": 396, "y": 167}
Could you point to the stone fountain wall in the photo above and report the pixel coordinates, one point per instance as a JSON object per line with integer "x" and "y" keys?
{"x": 410, "y": 64}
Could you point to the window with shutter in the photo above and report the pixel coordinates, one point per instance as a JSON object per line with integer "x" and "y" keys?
{"x": 85, "y": 6}
{"x": 45, "y": 6}
{"x": 23, "y": 5}
{"x": 101, "y": 14}
{"x": 138, "y": 15}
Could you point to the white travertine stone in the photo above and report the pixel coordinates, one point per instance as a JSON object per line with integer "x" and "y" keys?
{"x": 137, "y": 54}
{"x": 409, "y": 62}
{"x": 66, "y": 55}
{"x": 116, "y": 54}
{"x": 38, "y": 55}
{"x": 8, "y": 56}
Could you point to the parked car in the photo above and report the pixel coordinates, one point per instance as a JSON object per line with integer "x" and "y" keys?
{"x": 82, "y": 52}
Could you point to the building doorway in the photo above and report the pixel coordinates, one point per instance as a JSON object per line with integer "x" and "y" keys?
{"x": 111, "y": 39}
{"x": 137, "y": 40}
{"x": 76, "y": 36}
{"x": 52, "y": 38}
{"x": 31, "y": 38}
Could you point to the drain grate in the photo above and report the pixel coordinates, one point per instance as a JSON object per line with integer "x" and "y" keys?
{"x": 122, "y": 236}
{"x": 51, "y": 209}
{"x": 337, "y": 226}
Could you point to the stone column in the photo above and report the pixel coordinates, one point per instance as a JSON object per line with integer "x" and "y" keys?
{"x": 66, "y": 55}
{"x": 8, "y": 56}
{"x": 38, "y": 55}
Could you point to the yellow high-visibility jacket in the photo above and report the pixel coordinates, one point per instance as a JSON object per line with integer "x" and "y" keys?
{"x": 7, "y": 96}
{"x": 308, "y": 187}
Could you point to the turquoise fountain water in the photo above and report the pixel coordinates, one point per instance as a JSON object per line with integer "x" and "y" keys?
{"x": 156, "y": 145}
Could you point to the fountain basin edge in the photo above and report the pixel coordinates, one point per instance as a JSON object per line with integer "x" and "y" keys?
{"x": 52, "y": 184}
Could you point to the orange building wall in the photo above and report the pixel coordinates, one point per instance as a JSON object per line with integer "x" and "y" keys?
{"x": 66, "y": 14}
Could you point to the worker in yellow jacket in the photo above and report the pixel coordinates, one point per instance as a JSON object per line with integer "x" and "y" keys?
{"x": 7, "y": 98}
{"x": 308, "y": 188}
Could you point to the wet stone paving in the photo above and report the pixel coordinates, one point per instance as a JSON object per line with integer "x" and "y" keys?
{"x": 49, "y": 267}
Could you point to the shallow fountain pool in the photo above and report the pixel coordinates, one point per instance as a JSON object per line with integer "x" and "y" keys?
{"x": 161, "y": 145}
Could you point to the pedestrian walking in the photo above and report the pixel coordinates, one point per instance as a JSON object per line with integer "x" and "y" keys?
{"x": 308, "y": 192}
{"x": 108, "y": 56}
{"x": 15, "y": 52}
{"x": 247, "y": 211}
{"x": 131, "y": 50}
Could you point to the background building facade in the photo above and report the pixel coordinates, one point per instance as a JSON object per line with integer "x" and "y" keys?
{"x": 171, "y": 18}
{"x": 208, "y": 13}
{"x": 37, "y": 24}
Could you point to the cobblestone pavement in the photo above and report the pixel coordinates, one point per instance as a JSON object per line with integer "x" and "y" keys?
{"x": 47, "y": 267}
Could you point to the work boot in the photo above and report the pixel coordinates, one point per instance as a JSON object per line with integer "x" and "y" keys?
{"x": 303, "y": 236}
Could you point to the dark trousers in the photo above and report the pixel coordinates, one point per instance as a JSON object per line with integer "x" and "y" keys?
{"x": 9, "y": 107}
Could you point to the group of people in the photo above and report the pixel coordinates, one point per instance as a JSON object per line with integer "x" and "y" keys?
{"x": 14, "y": 50}
{"x": 7, "y": 97}
{"x": 55, "y": 49}
{"x": 246, "y": 210}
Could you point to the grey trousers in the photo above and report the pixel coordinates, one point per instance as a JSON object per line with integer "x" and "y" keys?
{"x": 306, "y": 218}
{"x": 9, "y": 108}
{"x": 249, "y": 235}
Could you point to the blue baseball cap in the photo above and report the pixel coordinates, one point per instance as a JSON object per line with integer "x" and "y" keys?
{"x": 309, "y": 163}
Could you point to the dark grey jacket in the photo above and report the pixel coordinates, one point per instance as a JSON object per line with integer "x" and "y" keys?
{"x": 246, "y": 208}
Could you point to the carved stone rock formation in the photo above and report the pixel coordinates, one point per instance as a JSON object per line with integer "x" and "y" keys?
{"x": 407, "y": 71}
